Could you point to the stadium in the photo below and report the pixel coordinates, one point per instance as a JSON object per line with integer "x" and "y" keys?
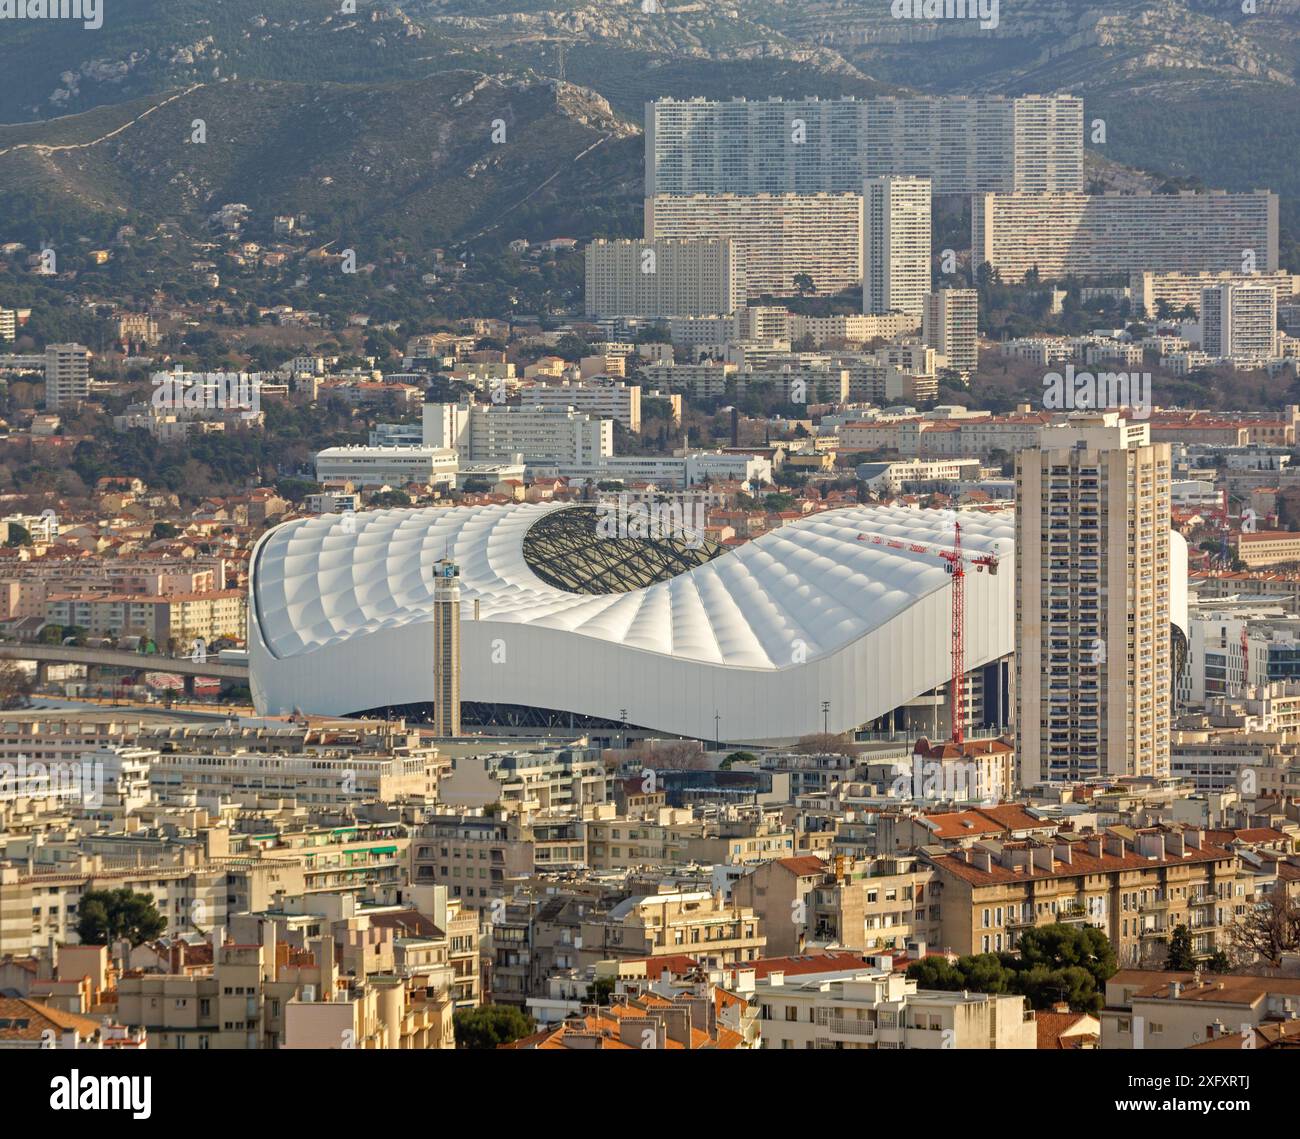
{"x": 566, "y": 627}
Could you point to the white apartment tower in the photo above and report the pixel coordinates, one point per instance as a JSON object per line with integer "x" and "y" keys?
{"x": 490, "y": 433}
{"x": 1239, "y": 321}
{"x": 1099, "y": 235}
{"x": 965, "y": 144}
{"x": 1093, "y": 664}
{"x": 896, "y": 245}
{"x": 446, "y": 649}
{"x": 663, "y": 278}
{"x": 67, "y": 375}
{"x": 776, "y": 237}
{"x": 950, "y": 325}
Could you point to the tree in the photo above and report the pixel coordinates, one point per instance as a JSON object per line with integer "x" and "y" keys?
{"x": 15, "y": 684}
{"x": 1055, "y": 963}
{"x": 681, "y": 755}
{"x": 1268, "y": 929}
{"x": 1060, "y": 946}
{"x": 804, "y": 284}
{"x": 1180, "y": 957}
{"x": 738, "y": 757}
{"x": 1218, "y": 962}
{"x": 164, "y": 530}
{"x": 18, "y": 536}
{"x": 600, "y": 990}
{"x": 823, "y": 743}
{"x": 106, "y": 916}
{"x": 1043, "y": 987}
{"x": 490, "y": 1026}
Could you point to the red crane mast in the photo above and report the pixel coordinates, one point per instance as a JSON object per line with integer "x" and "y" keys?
{"x": 956, "y": 565}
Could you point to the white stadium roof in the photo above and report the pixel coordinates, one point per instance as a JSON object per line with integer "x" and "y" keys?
{"x": 763, "y": 633}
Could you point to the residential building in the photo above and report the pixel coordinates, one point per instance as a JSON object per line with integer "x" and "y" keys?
{"x": 1163, "y": 1010}
{"x": 1239, "y": 321}
{"x": 387, "y": 466}
{"x": 497, "y": 433}
{"x": 663, "y": 278}
{"x": 965, "y": 144}
{"x": 1094, "y": 235}
{"x": 67, "y": 375}
{"x": 870, "y": 1009}
{"x": 688, "y": 921}
{"x": 950, "y": 325}
{"x": 1093, "y": 601}
{"x": 777, "y": 237}
{"x": 603, "y": 399}
{"x": 896, "y": 245}
{"x": 1136, "y": 887}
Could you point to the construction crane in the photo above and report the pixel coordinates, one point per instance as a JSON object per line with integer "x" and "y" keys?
{"x": 957, "y": 561}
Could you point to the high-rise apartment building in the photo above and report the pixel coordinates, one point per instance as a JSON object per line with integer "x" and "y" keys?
{"x": 1180, "y": 291}
{"x": 965, "y": 144}
{"x": 1098, "y": 235}
{"x": 446, "y": 649}
{"x": 663, "y": 278}
{"x": 1239, "y": 321}
{"x": 496, "y": 433}
{"x": 950, "y": 325}
{"x": 67, "y": 375}
{"x": 896, "y": 244}
{"x": 1094, "y": 675}
{"x": 777, "y": 237}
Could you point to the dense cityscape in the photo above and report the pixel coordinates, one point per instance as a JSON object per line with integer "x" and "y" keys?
{"x": 777, "y": 555}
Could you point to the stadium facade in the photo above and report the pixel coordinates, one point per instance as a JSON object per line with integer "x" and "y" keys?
{"x": 659, "y": 632}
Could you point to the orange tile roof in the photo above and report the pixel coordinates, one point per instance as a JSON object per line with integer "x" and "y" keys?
{"x": 1081, "y": 863}
{"x": 22, "y": 1019}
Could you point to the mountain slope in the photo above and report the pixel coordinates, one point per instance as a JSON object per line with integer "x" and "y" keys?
{"x": 412, "y": 160}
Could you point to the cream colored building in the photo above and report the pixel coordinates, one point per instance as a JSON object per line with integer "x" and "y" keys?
{"x": 604, "y": 399}
{"x": 875, "y": 1009}
{"x": 693, "y": 922}
{"x": 950, "y": 325}
{"x": 777, "y": 236}
{"x": 1092, "y": 235}
{"x": 1093, "y": 547}
{"x": 662, "y": 278}
{"x": 1135, "y": 886}
{"x": 896, "y": 245}
{"x": 1147, "y": 1009}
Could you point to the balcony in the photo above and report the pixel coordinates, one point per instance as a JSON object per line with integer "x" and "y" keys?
{"x": 856, "y": 1029}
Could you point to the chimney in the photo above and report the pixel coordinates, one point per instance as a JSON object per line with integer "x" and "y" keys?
{"x": 218, "y": 943}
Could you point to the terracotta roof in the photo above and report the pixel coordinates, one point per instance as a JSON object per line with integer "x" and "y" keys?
{"x": 1051, "y": 1025}
{"x": 803, "y": 866}
{"x": 803, "y": 964}
{"x": 1081, "y": 863}
{"x": 1215, "y": 988}
{"x": 1285, "y": 1034}
{"x": 26, "y": 1020}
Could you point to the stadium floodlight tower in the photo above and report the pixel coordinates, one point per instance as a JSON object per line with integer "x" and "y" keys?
{"x": 446, "y": 649}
